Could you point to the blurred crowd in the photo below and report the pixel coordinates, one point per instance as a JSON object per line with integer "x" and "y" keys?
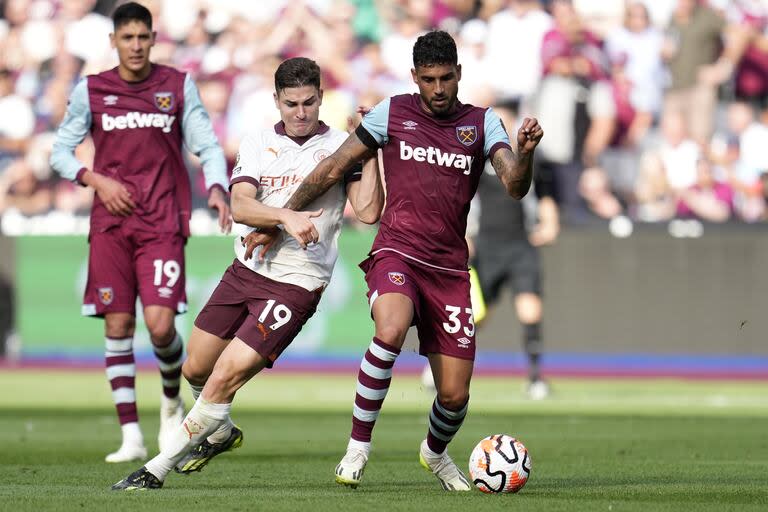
{"x": 654, "y": 110}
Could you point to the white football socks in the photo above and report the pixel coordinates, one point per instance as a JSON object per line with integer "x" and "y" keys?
{"x": 204, "y": 418}
{"x": 222, "y": 433}
{"x": 359, "y": 445}
{"x": 132, "y": 434}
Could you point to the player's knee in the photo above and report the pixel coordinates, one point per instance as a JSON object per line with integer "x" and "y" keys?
{"x": 391, "y": 334}
{"x": 196, "y": 374}
{"x": 161, "y": 331}
{"x": 453, "y": 400}
{"x": 119, "y": 327}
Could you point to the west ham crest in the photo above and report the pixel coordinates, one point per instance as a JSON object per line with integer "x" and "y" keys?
{"x": 397, "y": 277}
{"x": 164, "y": 101}
{"x": 106, "y": 295}
{"x": 467, "y": 135}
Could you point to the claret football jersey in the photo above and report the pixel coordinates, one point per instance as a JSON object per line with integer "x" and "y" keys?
{"x": 432, "y": 166}
{"x": 276, "y": 164}
{"x": 138, "y": 129}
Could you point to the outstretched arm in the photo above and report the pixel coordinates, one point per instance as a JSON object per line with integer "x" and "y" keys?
{"x": 329, "y": 171}
{"x": 515, "y": 169}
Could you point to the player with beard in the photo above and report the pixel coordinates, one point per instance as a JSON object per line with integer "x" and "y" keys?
{"x": 434, "y": 148}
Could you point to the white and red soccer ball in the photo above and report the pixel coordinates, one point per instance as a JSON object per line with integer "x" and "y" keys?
{"x": 499, "y": 464}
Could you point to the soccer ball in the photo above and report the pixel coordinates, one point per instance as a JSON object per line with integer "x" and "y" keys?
{"x": 499, "y": 464}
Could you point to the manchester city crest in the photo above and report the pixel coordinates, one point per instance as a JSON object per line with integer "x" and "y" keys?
{"x": 467, "y": 135}
{"x": 164, "y": 101}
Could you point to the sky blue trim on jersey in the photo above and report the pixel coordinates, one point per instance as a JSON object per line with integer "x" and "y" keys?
{"x": 376, "y": 121}
{"x": 73, "y": 129}
{"x": 494, "y": 131}
{"x": 200, "y": 139}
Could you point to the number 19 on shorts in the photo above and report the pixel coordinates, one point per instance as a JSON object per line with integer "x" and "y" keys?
{"x": 169, "y": 269}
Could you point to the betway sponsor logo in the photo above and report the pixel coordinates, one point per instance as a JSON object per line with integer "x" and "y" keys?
{"x": 435, "y": 156}
{"x": 133, "y": 120}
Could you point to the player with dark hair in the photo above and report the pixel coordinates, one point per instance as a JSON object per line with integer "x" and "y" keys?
{"x": 260, "y": 306}
{"x": 434, "y": 148}
{"x": 139, "y": 115}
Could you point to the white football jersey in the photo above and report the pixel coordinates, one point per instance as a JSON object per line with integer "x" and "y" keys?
{"x": 277, "y": 165}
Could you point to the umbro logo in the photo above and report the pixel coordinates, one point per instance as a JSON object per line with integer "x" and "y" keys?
{"x": 410, "y": 125}
{"x": 463, "y": 342}
{"x": 110, "y": 100}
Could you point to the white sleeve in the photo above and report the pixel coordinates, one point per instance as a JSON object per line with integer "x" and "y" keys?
{"x": 248, "y": 166}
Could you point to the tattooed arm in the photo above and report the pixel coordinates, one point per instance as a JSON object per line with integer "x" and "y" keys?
{"x": 330, "y": 171}
{"x": 515, "y": 169}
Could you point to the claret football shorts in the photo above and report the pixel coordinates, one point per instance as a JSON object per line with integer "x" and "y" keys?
{"x": 266, "y": 314}
{"x": 442, "y": 307}
{"x": 124, "y": 264}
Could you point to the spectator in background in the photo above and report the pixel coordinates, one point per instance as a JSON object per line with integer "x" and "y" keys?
{"x": 21, "y": 190}
{"x": 17, "y": 121}
{"x": 655, "y": 198}
{"x": 708, "y": 199}
{"x": 521, "y": 24}
{"x": 636, "y": 47}
{"x": 752, "y": 67}
{"x": 637, "y": 81}
{"x": 595, "y": 190}
{"x": 575, "y": 99}
{"x": 741, "y": 152}
{"x": 692, "y": 43}
{"x": 475, "y": 72}
{"x": 745, "y": 55}
{"x": 678, "y": 152}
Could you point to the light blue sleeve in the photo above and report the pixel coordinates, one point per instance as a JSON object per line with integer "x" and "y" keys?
{"x": 376, "y": 121}
{"x": 72, "y": 130}
{"x": 200, "y": 139}
{"x": 494, "y": 131}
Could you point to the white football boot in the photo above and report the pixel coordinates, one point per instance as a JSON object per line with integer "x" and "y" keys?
{"x": 537, "y": 390}
{"x": 130, "y": 450}
{"x": 443, "y": 467}
{"x": 350, "y": 470}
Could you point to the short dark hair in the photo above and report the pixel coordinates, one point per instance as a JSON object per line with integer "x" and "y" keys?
{"x": 297, "y": 72}
{"x": 436, "y": 47}
{"x": 129, "y": 12}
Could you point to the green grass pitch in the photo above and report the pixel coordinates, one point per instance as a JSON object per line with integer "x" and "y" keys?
{"x": 612, "y": 445}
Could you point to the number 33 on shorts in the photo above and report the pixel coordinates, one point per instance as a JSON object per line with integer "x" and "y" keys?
{"x": 454, "y": 323}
